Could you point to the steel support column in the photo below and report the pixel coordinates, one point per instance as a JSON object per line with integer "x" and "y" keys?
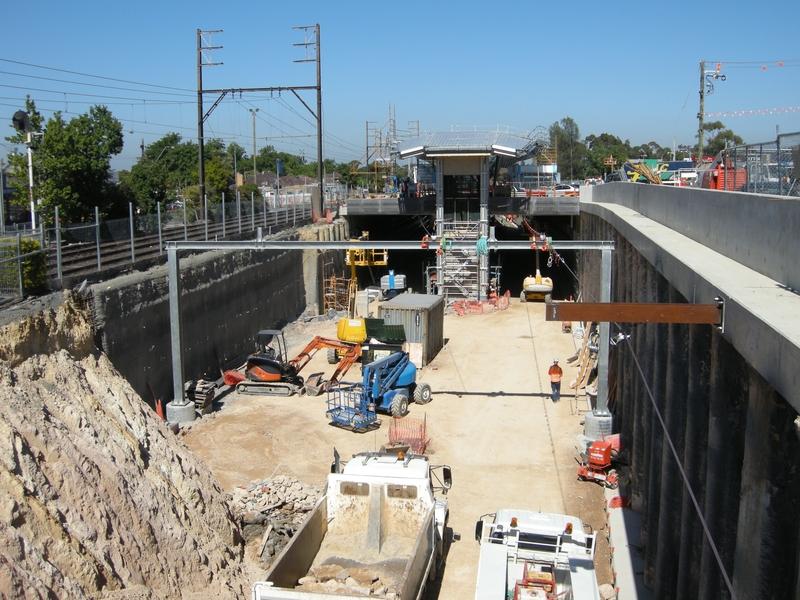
{"x": 439, "y": 187}
{"x": 602, "y": 355}
{"x": 483, "y": 228}
{"x": 176, "y": 339}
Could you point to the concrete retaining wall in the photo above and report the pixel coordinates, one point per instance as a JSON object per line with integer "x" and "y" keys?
{"x": 755, "y": 230}
{"x": 226, "y": 298}
{"x": 734, "y": 435}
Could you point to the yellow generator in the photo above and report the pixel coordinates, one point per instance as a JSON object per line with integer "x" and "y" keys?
{"x": 358, "y": 330}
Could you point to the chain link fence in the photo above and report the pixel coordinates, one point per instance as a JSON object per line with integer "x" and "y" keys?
{"x": 22, "y": 262}
{"x": 27, "y": 256}
{"x": 767, "y": 168}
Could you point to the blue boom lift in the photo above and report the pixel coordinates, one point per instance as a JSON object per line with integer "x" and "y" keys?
{"x": 387, "y": 385}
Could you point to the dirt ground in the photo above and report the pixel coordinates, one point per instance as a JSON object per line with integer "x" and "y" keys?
{"x": 491, "y": 419}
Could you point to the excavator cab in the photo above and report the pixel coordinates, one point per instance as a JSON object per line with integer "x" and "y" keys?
{"x": 270, "y": 343}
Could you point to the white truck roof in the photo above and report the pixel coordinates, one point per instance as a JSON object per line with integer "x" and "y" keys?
{"x": 388, "y": 465}
{"x": 542, "y": 523}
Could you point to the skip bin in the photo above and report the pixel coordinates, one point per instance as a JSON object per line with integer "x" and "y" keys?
{"x": 422, "y": 315}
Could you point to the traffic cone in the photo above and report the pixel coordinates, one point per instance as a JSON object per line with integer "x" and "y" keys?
{"x": 159, "y": 409}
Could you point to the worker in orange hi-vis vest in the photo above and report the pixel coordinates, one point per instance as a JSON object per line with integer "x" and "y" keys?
{"x": 555, "y": 373}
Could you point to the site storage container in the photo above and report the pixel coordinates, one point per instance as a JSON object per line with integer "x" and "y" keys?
{"x": 422, "y": 315}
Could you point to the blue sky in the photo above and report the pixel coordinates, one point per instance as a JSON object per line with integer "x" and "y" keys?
{"x": 630, "y": 69}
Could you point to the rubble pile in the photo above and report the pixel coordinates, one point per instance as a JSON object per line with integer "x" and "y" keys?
{"x": 270, "y": 512}
{"x": 334, "y": 579}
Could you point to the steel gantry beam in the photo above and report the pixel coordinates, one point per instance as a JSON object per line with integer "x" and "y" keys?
{"x": 173, "y": 269}
{"x": 433, "y": 245}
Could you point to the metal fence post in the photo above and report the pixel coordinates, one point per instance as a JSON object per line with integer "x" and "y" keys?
{"x": 239, "y": 210}
{"x": 19, "y": 265}
{"x": 158, "y": 213}
{"x": 97, "y": 234}
{"x": 779, "y": 162}
{"x": 223, "y": 215}
{"x": 59, "y": 272}
{"x": 294, "y": 210}
{"x": 252, "y": 211}
{"x": 205, "y": 213}
{"x": 264, "y": 199}
{"x": 185, "y": 228}
{"x": 130, "y": 215}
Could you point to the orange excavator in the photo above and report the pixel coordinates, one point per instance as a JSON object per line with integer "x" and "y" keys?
{"x": 269, "y": 371}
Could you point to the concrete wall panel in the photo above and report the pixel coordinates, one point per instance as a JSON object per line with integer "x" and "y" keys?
{"x": 734, "y": 434}
{"x": 227, "y": 296}
{"x": 755, "y": 230}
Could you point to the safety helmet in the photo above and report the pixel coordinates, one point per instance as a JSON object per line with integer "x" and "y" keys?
{"x": 555, "y": 361}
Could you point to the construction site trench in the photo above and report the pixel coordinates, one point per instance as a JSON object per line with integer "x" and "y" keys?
{"x": 100, "y": 499}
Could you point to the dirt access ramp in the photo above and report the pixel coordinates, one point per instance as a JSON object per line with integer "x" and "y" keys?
{"x": 491, "y": 419}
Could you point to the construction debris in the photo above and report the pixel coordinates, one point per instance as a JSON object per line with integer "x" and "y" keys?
{"x": 201, "y": 392}
{"x": 334, "y": 579}
{"x": 270, "y": 511}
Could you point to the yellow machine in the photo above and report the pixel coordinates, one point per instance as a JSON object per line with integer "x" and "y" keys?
{"x": 352, "y": 328}
{"x": 535, "y": 288}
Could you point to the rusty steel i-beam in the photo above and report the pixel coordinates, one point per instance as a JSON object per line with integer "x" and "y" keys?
{"x": 629, "y": 312}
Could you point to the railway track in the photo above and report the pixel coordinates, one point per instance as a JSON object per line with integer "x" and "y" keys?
{"x": 79, "y": 260}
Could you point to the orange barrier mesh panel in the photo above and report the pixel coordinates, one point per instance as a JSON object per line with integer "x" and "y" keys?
{"x": 414, "y": 432}
{"x": 618, "y": 502}
{"x": 463, "y": 307}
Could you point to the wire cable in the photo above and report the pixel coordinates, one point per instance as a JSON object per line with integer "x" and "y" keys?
{"x": 674, "y": 452}
{"x": 165, "y": 87}
{"x": 684, "y": 476}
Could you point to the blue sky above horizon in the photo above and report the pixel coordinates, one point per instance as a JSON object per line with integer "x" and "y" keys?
{"x": 628, "y": 70}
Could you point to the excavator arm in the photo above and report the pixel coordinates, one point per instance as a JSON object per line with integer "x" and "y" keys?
{"x": 301, "y": 360}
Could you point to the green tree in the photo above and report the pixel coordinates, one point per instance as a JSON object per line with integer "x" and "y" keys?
{"x": 218, "y": 178}
{"x": 72, "y": 162}
{"x": 249, "y": 188}
{"x": 167, "y": 169}
{"x": 349, "y": 174}
{"x": 718, "y": 138}
{"x": 237, "y": 156}
{"x": 565, "y": 136}
{"x": 604, "y": 146}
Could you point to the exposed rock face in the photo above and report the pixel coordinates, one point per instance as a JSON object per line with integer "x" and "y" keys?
{"x": 97, "y": 497}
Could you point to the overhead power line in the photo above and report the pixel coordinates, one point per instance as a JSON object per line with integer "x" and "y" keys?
{"x": 165, "y": 87}
{"x": 97, "y": 85}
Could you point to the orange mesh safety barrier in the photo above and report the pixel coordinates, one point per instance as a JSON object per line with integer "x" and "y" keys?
{"x": 618, "y": 502}
{"x": 479, "y": 307}
{"x": 414, "y": 432}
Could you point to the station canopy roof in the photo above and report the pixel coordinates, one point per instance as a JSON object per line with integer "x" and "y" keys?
{"x": 506, "y": 147}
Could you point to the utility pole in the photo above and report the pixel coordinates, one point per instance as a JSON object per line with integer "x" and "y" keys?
{"x": 702, "y": 112}
{"x": 201, "y": 169}
{"x": 253, "y": 111}
{"x": 706, "y": 89}
{"x": 316, "y": 44}
{"x": 201, "y": 117}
